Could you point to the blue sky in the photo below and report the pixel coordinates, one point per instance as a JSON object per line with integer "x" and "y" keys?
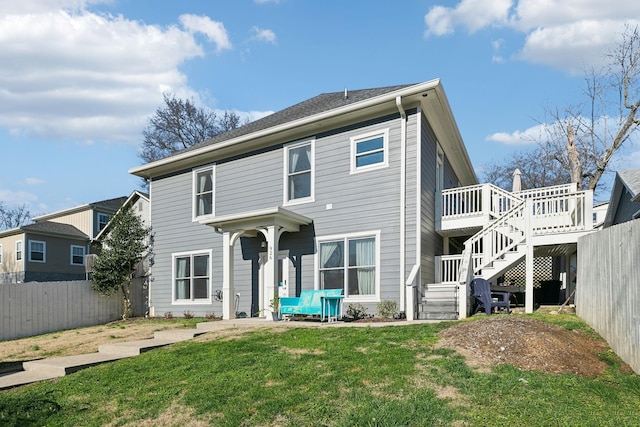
{"x": 79, "y": 79}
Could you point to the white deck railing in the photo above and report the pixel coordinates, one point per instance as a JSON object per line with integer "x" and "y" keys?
{"x": 510, "y": 218}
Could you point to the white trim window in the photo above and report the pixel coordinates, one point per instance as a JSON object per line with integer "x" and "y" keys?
{"x": 192, "y": 277}
{"x": 19, "y": 250}
{"x": 37, "y": 251}
{"x": 299, "y": 160}
{"x": 103, "y": 220}
{"x": 370, "y": 151}
{"x": 0, "y": 254}
{"x": 352, "y": 263}
{"x": 203, "y": 191}
{"x": 77, "y": 255}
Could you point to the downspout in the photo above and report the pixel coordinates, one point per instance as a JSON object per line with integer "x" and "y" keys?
{"x": 403, "y": 196}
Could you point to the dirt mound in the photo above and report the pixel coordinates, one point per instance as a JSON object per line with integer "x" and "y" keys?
{"x": 526, "y": 343}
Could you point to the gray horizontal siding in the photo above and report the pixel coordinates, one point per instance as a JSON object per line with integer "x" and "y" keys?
{"x": 367, "y": 201}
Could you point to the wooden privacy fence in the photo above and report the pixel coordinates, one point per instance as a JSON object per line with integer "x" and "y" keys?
{"x": 608, "y": 287}
{"x": 39, "y": 307}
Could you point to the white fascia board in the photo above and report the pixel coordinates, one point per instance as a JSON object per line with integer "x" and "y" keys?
{"x": 337, "y": 112}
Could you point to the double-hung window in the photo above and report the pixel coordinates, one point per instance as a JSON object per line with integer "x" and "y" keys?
{"x": 0, "y": 254}
{"x": 103, "y": 220}
{"x": 350, "y": 263}
{"x": 203, "y": 191}
{"x": 19, "y": 250}
{"x": 37, "y": 251}
{"x": 370, "y": 151}
{"x": 299, "y": 176}
{"x": 192, "y": 277}
{"x": 77, "y": 255}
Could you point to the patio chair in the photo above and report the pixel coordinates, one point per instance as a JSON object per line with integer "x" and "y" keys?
{"x": 484, "y": 297}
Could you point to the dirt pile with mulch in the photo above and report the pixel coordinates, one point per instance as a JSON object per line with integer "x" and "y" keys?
{"x": 526, "y": 343}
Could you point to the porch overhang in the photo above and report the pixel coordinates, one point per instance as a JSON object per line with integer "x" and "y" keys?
{"x": 258, "y": 219}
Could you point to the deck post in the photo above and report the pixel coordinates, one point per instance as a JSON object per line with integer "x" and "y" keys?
{"x": 528, "y": 296}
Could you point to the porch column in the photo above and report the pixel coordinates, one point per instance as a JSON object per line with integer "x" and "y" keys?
{"x": 270, "y": 268}
{"x": 228, "y": 309}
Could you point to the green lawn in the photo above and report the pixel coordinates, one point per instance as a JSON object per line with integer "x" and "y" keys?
{"x": 391, "y": 376}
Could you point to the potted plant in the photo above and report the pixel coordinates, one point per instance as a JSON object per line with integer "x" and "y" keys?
{"x": 275, "y": 306}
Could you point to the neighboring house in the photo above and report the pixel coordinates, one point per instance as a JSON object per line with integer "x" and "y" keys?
{"x": 624, "y": 204}
{"x": 54, "y": 246}
{"x": 335, "y": 192}
{"x": 368, "y": 191}
{"x": 141, "y": 206}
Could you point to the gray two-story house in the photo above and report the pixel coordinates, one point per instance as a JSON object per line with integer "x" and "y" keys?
{"x": 338, "y": 191}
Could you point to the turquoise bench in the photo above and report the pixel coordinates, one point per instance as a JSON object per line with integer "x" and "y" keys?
{"x": 324, "y": 303}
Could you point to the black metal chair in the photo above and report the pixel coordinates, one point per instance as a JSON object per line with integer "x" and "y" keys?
{"x": 484, "y": 297}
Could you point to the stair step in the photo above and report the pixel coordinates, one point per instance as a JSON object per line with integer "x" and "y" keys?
{"x": 60, "y": 366}
{"x": 134, "y": 348}
{"x": 178, "y": 334}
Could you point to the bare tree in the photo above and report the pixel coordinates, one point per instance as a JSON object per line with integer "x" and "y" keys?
{"x": 583, "y": 139}
{"x": 179, "y": 124}
{"x": 13, "y": 217}
{"x": 537, "y": 169}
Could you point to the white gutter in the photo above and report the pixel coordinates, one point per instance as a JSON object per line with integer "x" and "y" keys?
{"x": 403, "y": 195}
{"x": 411, "y": 90}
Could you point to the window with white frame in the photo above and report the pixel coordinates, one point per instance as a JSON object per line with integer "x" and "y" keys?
{"x": 77, "y": 255}
{"x": 0, "y": 254}
{"x": 350, "y": 263}
{"x": 192, "y": 277}
{"x": 203, "y": 188}
{"x": 103, "y": 220}
{"x": 299, "y": 177}
{"x": 19, "y": 250}
{"x": 37, "y": 251}
{"x": 370, "y": 151}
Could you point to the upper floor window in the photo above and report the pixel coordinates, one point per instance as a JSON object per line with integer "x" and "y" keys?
{"x": 350, "y": 263}
{"x": 203, "y": 187}
{"x": 77, "y": 255}
{"x": 299, "y": 166}
{"x": 370, "y": 151}
{"x": 192, "y": 277}
{"x": 19, "y": 250}
{"x": 37, "y": 251}
{"x": 103, "y": 219}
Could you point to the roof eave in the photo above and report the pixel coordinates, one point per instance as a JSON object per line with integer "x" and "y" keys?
{"x": 189, "y": 158}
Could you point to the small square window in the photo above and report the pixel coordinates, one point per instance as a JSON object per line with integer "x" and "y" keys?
{"x": 369, "y": 151}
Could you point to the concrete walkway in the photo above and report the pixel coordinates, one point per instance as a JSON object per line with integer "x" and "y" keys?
{"x": 47, "y": 369}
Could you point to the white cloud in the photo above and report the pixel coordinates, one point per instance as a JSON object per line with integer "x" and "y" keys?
{"x": 214, "y": 31}
{"x": 34, "y": 181}
{"x": 16, "y": 198}
{"x": 568, "y": 34}
{"x": 471, "y": 14}
{"x": 265, "y": 35}
{"x": 73, "y": 74}
{"x": 526, "y": 137}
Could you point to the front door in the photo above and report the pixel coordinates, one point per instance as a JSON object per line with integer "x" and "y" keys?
{"x": 283, "y": 278}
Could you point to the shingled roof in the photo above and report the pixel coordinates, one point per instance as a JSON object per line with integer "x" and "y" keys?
{"x": 50, "y": 227}
{"x": 316, "y": 105}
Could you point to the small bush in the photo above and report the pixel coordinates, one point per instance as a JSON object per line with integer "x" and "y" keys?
{"x": 187, "y": 314}
{"x": 211, "y": 316}
{"x": 168, "y": 315}
{"x": 387, "y": 308}
{"x": 356, "y": 311}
